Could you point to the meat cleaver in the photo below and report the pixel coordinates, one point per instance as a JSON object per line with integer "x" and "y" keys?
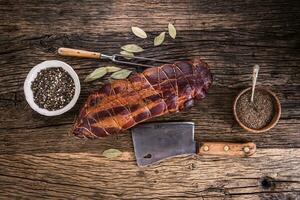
{"x": 156, "y": 141}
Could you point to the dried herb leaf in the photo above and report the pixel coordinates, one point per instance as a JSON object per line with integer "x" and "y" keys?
{"x": 133, "y": 48}
{"x": 97, "y": 73}
{"x": 126, "y": 54}
{"x": 98, "y": 83}
{"x": 111, "y": 69}
{"x": 111, "y": 153}
{"x": 172, "y": 30}
{"x": 158, "y": 40}
{"x": 139, "y": 32}
{"x": 109, "y": 80}
{"x": 122, "y": 74}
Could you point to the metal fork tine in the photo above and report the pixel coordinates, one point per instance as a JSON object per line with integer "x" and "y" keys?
{"x": 132, "y": 63}
{"x": 115, "y": 56}
{"x": 143, "y": 58}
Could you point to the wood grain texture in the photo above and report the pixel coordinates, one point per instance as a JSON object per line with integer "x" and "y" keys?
{"x": 78, "y": 53}
{"x": 227, "y": 149}
{"x": 89, "y": 175}
{"x": 40, "y": 160}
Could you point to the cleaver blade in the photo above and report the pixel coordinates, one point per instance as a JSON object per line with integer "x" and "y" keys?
{"x": 157, "y": 141}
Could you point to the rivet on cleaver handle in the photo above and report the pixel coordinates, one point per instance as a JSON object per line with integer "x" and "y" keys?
{"x": 226, "y": 149}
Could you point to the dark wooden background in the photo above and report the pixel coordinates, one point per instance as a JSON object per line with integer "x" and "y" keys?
{"x": 39, "y": 159}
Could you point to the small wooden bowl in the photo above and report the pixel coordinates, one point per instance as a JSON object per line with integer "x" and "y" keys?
{"x": 275, "y": 118}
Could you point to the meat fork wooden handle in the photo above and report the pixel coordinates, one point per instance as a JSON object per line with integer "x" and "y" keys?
{"x": 78, "y": 53}
{"x": 227, "y": 149}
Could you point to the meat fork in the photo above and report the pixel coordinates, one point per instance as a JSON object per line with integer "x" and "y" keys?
{"x": 117, "y": 58}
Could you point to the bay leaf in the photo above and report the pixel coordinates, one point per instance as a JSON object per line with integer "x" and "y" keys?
{"x": 126, "y": 54}
{"x": 97, "y": 73}
{"x": 110, "y": 80}
{"x": 122, "y": 74}
{"x": 99, "y": 83}
{"x": 111, "y": 69}
{"x": 139, "y": 32}
{"x": 133, "y": 48}
{"x": 111, "y": 153}
{"x": 172, "y": 30}
{"x": 158, "y": 40}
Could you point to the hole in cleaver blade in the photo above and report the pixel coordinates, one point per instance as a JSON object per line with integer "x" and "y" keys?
{"x": 156, "y": 141}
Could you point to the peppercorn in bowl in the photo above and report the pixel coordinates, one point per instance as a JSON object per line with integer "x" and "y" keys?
{"x": 52, "y": 88}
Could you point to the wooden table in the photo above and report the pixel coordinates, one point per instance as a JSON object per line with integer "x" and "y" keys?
{"x": 39, "y": 159}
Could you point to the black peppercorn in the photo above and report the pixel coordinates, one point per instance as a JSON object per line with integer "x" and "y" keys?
{"x": 53, "y": 88}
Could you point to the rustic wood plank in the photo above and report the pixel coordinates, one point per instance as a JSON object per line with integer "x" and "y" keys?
{"x": 235, "y": 54}
{"x": 212, "y": 116}
{"x": 39, "y": 159}
{"x": 105, "y": 16}
{"x": 82, "y": 175}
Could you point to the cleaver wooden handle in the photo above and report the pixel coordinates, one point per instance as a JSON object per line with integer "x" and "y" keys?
{"x": 227, "y": 149}
{"x": 78, "y": 53}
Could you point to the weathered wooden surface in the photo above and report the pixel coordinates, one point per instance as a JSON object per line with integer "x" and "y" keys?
{"x": 38, "y": 159}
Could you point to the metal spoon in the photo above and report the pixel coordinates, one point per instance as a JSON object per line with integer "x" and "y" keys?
{"x": 254, "y": 78}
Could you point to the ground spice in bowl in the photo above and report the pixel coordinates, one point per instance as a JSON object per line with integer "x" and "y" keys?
{"x": 53, "y": 88}
{"x": 257, "y": 114}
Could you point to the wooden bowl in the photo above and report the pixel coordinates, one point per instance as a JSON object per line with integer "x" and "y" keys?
{"x": 273, "y": 121}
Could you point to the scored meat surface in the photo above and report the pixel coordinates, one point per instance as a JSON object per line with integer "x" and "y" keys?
{"x": 122, "y": 104}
